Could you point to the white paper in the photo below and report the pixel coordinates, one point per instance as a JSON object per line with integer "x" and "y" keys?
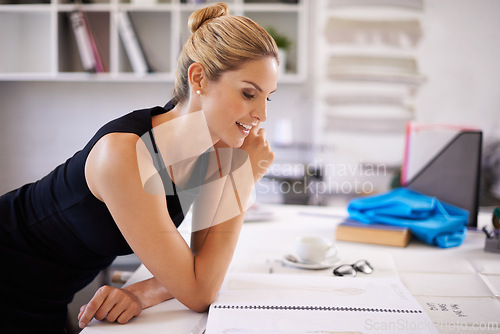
{"x": 488, "y": 263}
{"x": 493, "y": 283}
{"x": 332, "y": 305}
{"x": 450, "y": 285}
{"x": 442, "y": 262}
{"x": 447, "y": 312}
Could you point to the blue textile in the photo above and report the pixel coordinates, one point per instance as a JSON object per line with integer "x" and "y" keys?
{"x": 430, "y": 220}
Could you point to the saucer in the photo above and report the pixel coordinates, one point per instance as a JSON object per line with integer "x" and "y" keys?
{"x": 325, "y": 264}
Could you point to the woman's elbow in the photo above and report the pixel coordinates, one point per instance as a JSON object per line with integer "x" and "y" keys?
{"x": 200, "y": 308}
{"x": 202, "y": 302}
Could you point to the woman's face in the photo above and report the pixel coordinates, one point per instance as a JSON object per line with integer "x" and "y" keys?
{"x": 237, "y": 101}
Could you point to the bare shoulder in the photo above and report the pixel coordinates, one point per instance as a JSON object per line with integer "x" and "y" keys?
{"x": 113, "y": 157}
{"x": 115, "y": 145}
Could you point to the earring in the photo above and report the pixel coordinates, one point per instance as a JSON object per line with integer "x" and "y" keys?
{"x": 198, "y": 92}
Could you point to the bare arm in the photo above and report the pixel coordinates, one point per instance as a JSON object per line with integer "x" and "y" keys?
{"x": 150, "y": 292}
{"x": 193, "y": 277}
{"x": 120, "y": 305}
{"x": 113, "y": 176}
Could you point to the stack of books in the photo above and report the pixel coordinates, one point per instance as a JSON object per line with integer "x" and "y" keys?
{"x": 88, "y": 49}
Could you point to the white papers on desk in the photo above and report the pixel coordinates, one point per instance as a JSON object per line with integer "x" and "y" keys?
{"x": 460, "y": 311}
{"x": 456, "y": 302}
{"x": 488, "y": 264}
{"x": 449, "y": 285}
{"x": 493, "y": 283}
{"x": 260, "y": 303}
{"x": 442, "y": 262}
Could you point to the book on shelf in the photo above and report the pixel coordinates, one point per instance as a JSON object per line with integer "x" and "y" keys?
{"x": 83, "y": 43}
{"x": 264, "y": 304}
{"x": 86, "y": 44}
{"x": 380, "y": 234}
{"x": 132, "y": 44}
{"x": 99, "y": 66}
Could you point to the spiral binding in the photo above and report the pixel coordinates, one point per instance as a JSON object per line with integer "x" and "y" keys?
{"x": 313, "y": 308}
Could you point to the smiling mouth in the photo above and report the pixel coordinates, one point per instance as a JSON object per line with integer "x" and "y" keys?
{"x": 245, "y": 127}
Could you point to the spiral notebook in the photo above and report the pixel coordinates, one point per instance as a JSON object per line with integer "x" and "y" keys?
{"x": 297, "y": 304}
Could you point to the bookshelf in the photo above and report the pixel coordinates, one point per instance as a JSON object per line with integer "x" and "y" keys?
{"x": 367, "y": 77}
{"x": 39, "y": 44}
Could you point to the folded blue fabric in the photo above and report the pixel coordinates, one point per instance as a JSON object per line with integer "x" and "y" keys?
{"x": 430, "y": 220}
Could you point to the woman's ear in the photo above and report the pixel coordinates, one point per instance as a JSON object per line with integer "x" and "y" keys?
{"x": 196, "y": 76}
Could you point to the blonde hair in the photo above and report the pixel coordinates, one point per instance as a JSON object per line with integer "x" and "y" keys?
{"x": 220, "y": 42}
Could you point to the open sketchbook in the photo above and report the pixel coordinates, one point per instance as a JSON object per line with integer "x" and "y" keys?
{"x": 279, "y": 304}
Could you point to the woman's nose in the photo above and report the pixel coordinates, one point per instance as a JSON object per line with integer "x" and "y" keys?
{"x": 260, "y": 113}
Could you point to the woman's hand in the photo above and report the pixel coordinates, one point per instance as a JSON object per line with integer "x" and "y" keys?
{"x": 259, "y": 151}
{"x": 112, "y": 304}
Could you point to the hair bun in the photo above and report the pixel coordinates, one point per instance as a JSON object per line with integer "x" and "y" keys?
{"x": 204, "y": 14}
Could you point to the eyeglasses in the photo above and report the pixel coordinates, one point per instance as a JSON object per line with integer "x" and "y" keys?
{"x": 362, "y": 266}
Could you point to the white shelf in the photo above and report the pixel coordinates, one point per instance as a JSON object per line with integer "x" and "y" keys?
{"x": 150, "y": 8}
{"x": 38, "y": 42}
{"x": 367, "y": 77}
{"x": 109, "y": 77}
{"x": 112, "y": 77}
{"x": 273, "y": 7}
{"x": 25, "y": 8}
{"x": 97, "y": 7}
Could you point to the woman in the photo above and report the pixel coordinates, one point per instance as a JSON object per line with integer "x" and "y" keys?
{"x": 113, "y": 197}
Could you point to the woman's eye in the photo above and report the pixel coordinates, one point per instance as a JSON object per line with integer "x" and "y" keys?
{"x": 268, "y": 99}
{"x": 248, "y": 96}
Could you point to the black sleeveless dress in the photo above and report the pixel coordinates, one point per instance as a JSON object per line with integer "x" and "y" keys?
{"x": 55, "y": 237}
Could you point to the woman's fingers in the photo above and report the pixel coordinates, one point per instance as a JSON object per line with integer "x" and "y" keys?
{"x": 256, "y": 128}
{"x": 125, "y": 316}
{"x": 126, "y": 307}
{"x": 82, "y": 309}
{"x": 93, "y": 306}
{"x": 114, "y": 313}
{"x": 103, "y": 311}
{"x": 259, "y": 151}
{"x": 112, "y": 304}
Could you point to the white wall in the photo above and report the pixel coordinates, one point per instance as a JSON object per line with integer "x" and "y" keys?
{"x": 44, "y": 123}
{"x": 460, "y": 55}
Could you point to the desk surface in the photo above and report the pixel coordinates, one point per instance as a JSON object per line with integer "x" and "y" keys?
{"x": 458, "y": 287}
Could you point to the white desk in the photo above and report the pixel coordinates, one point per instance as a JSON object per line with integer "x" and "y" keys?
{"x": 465, "y": 275}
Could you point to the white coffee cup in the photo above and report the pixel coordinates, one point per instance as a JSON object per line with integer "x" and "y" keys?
{"x": 314, "y": 249}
